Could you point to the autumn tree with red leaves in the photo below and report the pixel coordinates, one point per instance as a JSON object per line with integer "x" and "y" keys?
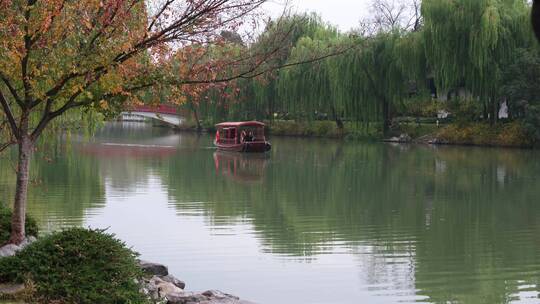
{"x": 58, "y": 55}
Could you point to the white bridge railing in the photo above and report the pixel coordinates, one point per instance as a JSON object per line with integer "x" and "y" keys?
{"x": 169, "y": 119}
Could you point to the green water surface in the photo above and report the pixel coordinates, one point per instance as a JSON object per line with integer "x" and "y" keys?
{"x": 314, "y": 221}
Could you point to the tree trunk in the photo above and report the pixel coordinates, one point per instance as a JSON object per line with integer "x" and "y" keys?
{"x": 18, "y": 219}
{"x": 494, "y": 111}
{"x": 337, "y": 119}
{"x": 386, "y": 117}
{"x": 272, "y": 100}
{"x": 196, "y": 116}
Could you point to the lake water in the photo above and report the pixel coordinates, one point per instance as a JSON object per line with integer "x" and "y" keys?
{"x": 314, "y": 221}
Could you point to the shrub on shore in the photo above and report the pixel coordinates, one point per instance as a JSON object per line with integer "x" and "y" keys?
{"x": 511, "y": 134}
{"x": 76, "y": 266}
{"x": 5, "y": 225}
{"x": 326, "y": 129}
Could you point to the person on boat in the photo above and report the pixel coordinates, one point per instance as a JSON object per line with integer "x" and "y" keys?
{"x": 249, "y": 136}
{"x": 243, "y": 136}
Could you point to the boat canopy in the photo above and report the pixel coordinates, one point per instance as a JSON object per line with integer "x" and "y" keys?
{"x": 240, "y": 124}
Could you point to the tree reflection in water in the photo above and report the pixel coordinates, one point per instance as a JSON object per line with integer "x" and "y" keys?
{"x": 444, "y": 224}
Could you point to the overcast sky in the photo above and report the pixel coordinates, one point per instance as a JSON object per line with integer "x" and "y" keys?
{"x": 343, "y": 13}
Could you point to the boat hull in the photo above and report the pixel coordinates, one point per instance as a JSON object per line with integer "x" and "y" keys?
{"x": 248, "y": 147}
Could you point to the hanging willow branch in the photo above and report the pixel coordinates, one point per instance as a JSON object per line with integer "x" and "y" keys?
{"x": 468, "y": 42}
{"x": 535, "y": 17}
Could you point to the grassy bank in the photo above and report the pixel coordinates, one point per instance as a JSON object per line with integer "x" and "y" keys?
{"x": 510, "y": 134}
{"x": 322, "y": 129}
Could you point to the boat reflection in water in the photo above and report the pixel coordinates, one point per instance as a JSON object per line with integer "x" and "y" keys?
{"x": 241, "y": 167}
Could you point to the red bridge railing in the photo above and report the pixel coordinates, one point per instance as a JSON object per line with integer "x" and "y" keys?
{"x": 161, "y": 109}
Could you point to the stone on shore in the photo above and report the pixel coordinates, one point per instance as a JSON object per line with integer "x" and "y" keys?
{"x": 207, "y": 297}
{"x": 158, "y": 289}
{"x": 171, "y": 279}
{"x": 186, "y": 298}
{"x": 437, "y": 141}
{"x": 154, "y": 269}
{"x": 11, "y": 290}
{"x": 163, "y": 288}
{"x": 403, "y": 138}
{"x": 11, "y": 249}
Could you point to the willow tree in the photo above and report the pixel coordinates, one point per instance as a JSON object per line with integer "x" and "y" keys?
{"x": 535, "y": 17}
{"x": 372, "y": 80}
{"x": 362, "y": 85}
{"x": 469, "y": 42}
{"x": 264, "y": 90}
{"x": 307, "y": 89}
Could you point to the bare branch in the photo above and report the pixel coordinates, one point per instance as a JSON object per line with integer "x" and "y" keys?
{"x": 11, "y": 89}
{"x": 389, "y": 15}
{"x": 9, "y": 115}
{"x": 4, "y": 146}
{"x": 159, "y": 14}
{"x": 535, "y": 18}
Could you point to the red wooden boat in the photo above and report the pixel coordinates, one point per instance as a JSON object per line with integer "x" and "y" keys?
{"x": 247, "y": 136}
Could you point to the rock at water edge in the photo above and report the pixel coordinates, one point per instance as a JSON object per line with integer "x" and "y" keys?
{"x": 10, "y": 290}
{"x": 154, "y": 268}
{"x": 171, "y": 279}
{"x": 9, "y": 250}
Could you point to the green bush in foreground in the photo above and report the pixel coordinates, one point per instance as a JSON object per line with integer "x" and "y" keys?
{"x": 76, "y": 266}
{"x": 5, "y": 225}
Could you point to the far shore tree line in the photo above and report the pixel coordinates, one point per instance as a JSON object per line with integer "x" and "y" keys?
{"x": 411, "y": 58}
